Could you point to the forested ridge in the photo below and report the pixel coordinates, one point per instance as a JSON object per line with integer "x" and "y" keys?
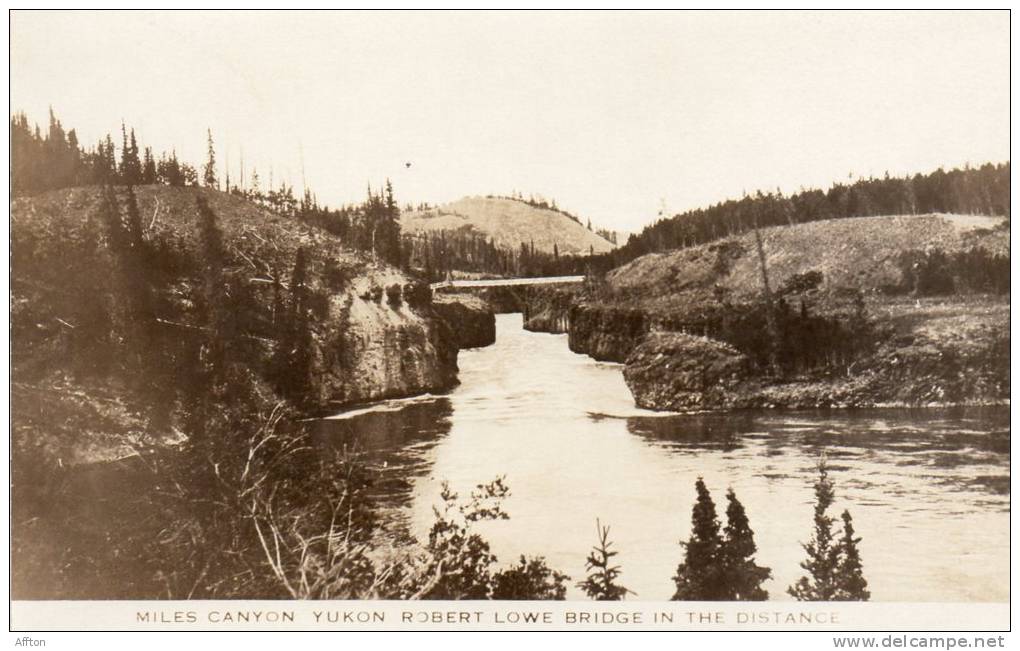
{"x": 980, "y": 190}
{"x": 56, "y": 159}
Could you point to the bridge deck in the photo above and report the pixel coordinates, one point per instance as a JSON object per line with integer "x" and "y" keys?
{"x": 507, "y": 282}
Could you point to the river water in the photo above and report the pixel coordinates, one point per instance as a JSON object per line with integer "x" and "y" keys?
{"x": 928, "y": 489}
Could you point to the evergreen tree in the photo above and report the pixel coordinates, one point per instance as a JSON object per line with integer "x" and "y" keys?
{"x": 743, "y": 576}
{"x": 389, "y": 219}
{"x": 148, "y": 168}
{"x": 256, "y": 189}
{"x": 169, "y": 170}
{"x": 699, "y": 577}
{"x": 822, "y": 563}
{"x": 130, "y": 164}
{"x": 189, "y": 177}
{"x": 107, "y": 161}
{"x": 209, "y": 171}
{"x": 600, "y": 583}
{"x": 852, "y": 586}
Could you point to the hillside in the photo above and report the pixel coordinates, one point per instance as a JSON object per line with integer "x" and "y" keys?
{"x": 983, "y": 190}
{"x": 508, "y": 223}
{"x": 864, "y": 311}
{"x": 82, "y": 380}
{"x": 870, "y": 254}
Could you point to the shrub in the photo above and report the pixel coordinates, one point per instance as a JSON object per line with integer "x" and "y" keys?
{"x": 417, "y": 294}
{"x": 393, "y": 296}
{"x": 334, "y": 277}
{"x": 530, "y": 579}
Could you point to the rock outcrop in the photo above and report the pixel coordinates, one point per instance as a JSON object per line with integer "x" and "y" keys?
{"x": 606, "y": 333}
{"x": 389, "y": 341}
{"x": 470, "y": 319}
{"x": 679, "y": 372}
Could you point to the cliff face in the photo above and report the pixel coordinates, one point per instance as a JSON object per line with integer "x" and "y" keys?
{"x": 470, "y": 319}
{"x": 76, "y": 323}
{"x": 380, "y": 343}
{"x": 547, "y": 309}
{"x": 942, "y": 353}
{"x": 606, "y": 333}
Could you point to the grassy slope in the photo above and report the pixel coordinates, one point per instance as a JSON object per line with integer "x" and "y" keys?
{"x": 508, "y": 223}
{"x": 949, "y": 348}
{"x": 858, "y": 253}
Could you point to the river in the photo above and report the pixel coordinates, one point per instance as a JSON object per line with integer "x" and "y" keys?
{"x": 928, "y": 489}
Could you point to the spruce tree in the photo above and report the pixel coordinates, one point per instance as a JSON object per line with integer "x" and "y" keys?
{"x": 106, "y": 161}
{"x": 148, "y": 167}
{"x": 600, "y": 583}
{"x": 850, "y": 576}
{"x": 821, "y": 583}
{"x": 743, "y": 576}
{"x": 130, "y": 164}
{"x": 390, "y": 227}
{"x": 209, "y": 171}
{"x": 134, "y": 161}
{"x": 124, "y": 152}
{"x": 699, "y": 576}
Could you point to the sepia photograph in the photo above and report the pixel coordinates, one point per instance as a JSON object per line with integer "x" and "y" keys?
{"x": 688, "y": 320}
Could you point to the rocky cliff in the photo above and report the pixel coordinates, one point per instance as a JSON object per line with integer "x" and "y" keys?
{"x": 470, "y": 319}
{"x": 941, "y": 353}
{"x": 547, "y": 308}
{"x": 605, "y": 332}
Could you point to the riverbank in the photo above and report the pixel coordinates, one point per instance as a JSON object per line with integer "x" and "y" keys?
{"x": 907, "y": 310}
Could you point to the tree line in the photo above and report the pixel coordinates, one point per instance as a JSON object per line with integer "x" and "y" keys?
{"x": 972, "y": 190}
{"x": 56, "y": 159}
{"x": 436, "y": 254}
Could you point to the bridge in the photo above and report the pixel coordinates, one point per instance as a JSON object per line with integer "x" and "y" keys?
{"x": 507, "y": 282}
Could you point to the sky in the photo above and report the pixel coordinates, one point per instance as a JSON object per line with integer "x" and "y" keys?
{"x": 618, "y": 116}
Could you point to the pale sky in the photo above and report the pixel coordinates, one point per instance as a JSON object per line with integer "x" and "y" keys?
{"x": 612, "y": 114}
